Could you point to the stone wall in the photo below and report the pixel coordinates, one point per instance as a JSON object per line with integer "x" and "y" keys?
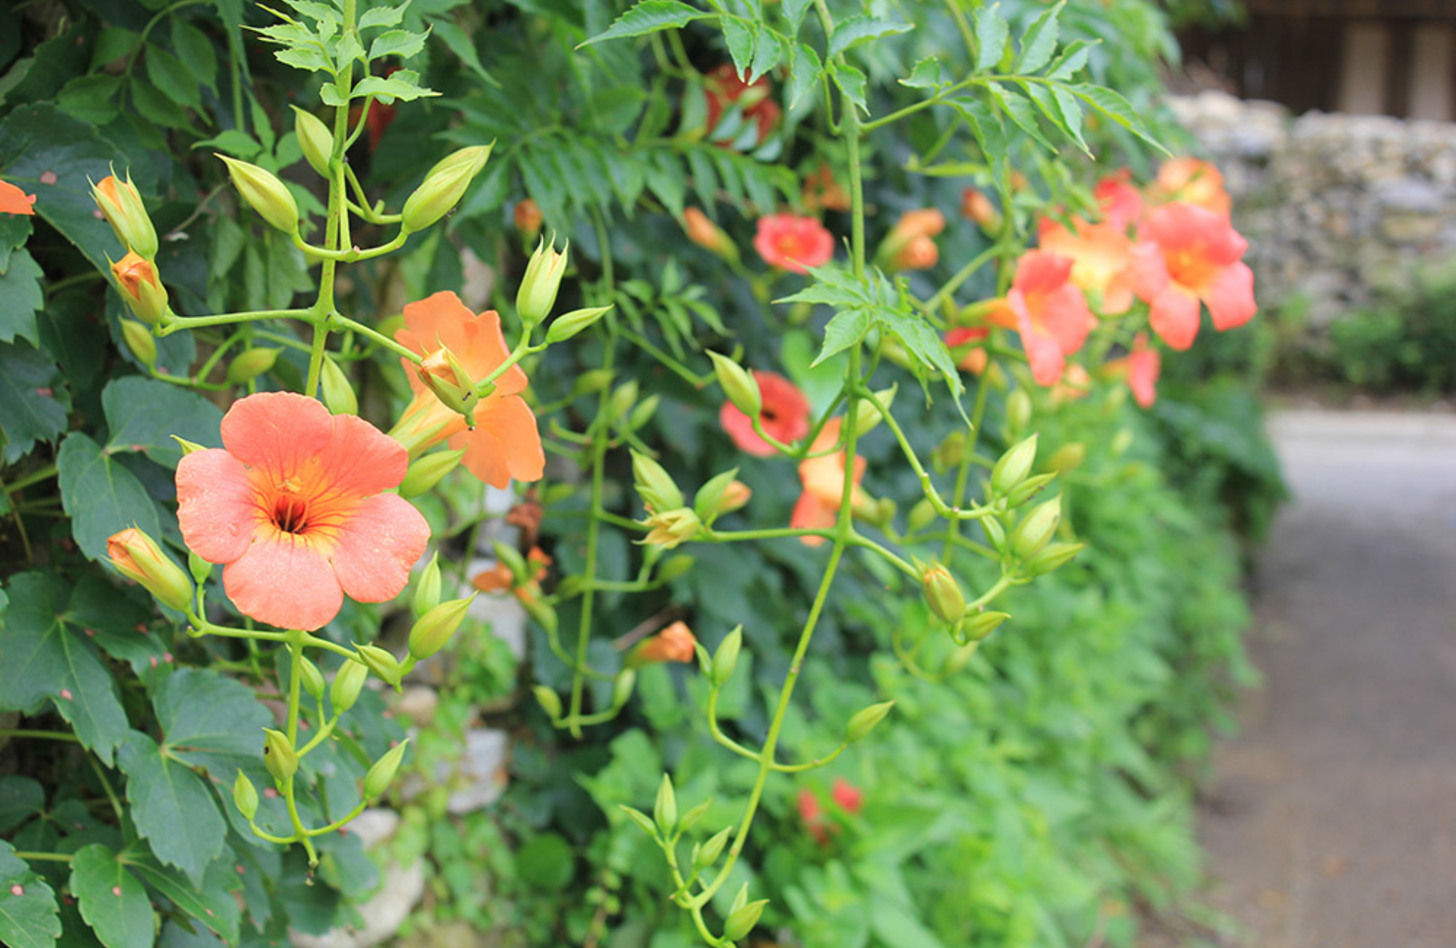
{"x": 1334, "y": 206}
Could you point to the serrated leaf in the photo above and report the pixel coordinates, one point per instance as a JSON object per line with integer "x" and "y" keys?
{"x": 766, "y": 57}
{"x": 1039, "y": 41}
{"x": 33, "y": 399}
{"x": 30, "y": 918}
{"x": 649, "y": 16}
{"x": 397, "y": 43}
{"x": 742, "y": 39}
{"x": 382, "y": 16}
{"x": 927, "y": 74}
{"x": 211, "y": 903}
{"x": 21, "y": 297}
{"x": 172, "y": 807}
{"x": 1070, "y": 60}
{"x": 847, "y": 328}
{"x": 112, "y": 900}
{"x": 924, "y": 343}
{"x": 1117, "y": 108}
{"x": 1021, "y": 112}
{"x": 399, "y": 86}
{"x": 794, "y": 11}
{"x": 992, "y": 34}
{"x": 804, "y": 71}
{"x": 850, "y": 81}
{"x": 48, "y": 657}
{"x": 101, "y": 496}
{"x": 309, "y": 58}
{"x": 143, "y": 415}
{"x": 1071, "y": 111}
{"x": 852, "y": 31}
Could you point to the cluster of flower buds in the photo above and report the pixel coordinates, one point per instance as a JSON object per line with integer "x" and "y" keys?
{"x": 136, "y": 272}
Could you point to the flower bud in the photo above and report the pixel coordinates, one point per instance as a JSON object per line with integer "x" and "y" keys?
{"x": 976, "y": 206}
{"x": 921, "y": 515}
{"x": 448, "y": 379}
{"x": 142, "y": 289}
{"x": 433, "y": 629}
{"x": 950, "y": 452}
{"x": 676, "y": 643}
{"x": 427, "y": 588}
{"x": 674, "y": 567}
{"x": 1028, "y": 489}
{"x": 443, "y": 187}
{"x": 740, "y": 387}
{"x": 198, "y": 567}
{"x": 315, "y": 140}
{"x": 943, "y": 593}
{"x": 995, "y": 532}
{"x": 335, "y": 391}
{"x": 348, "y": 682}
{"x": 622, "y": 687}
{"x": 669, "y": 528}
{"x": 428, "y": 471}
{"x": 566, "y": 325}
{"x": 249, "y": 364}
{"x": 591, "y": 381}
{"x": 725, "y": 659}
{"x": 379, "y": 777}
{"x": 312, "y": 678}
{"x": 137, "y": 557}
{"x": 706, "y": 234}
{"x": 549, "y": 701}
{"x": 245, "y": 797}
{"x": 742, "y": 919}
{"x": 621, "y": 401}
{"x": 708, "y": 502}
{"x": 537, "y": 293}
{"x": 140, "y": 341}
{"x": 1013, "y": 466}
{"x": 1018, "y": 413}
{"x": 643, "y": 411}
{"x": 1036, "y": 529}
{"x": 121, "y": 204}
{"x": 869, "y": 415}
{"x": 265, "y": 192}
{"x": 1053, "y": 557}
{"x": 654, "y": 484}
{"x": 1067, "y": 458}
{"x": 278, "y": 755}
{"x": 664, "y": 808}
{"x": 381, "y": 663}
{"x": 976, "y": 627}
{"x": 865, "y": 720}
{"x": 527, "y": 217}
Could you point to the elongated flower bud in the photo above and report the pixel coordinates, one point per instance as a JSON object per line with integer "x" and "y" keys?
{"x": 315, "y": 139}
{"x": 428, "y": 471}
{"x": 436, "y": 627}
{"x": 427, "y": 588}
{"x": 379, "y": 777}
{"x": 279, "y": 755}
{"x": 312, "y": 678}
{"x": 245, "y": 797}
{"x": 943, "y": 593}
{"x": 566, "y": 325}
{"x": 265, "y": 192}
{"x": 537, "y": 293}
{"x": 381, "y": 663}
{"x": 706, "y": 234}
{"x": 335, "y": 391}
{"x": 136, "y": 278}
{"x": 121, "y": 204}
{"x": 738, "y": 385}
{"x": 664, "y": 808}
{"x": 865, "y": 720}
{"x": 1013, "y": 466}
{"x": 251, "y": 363}
{"x": 443, "y": 187}
{"x": 549, "y": 701}
{"x": 654, "y": 484}
{"x": 725, "y": 659}
{"x": 1036, "y": 529}
{"x": 348, "y": 682}
{"x": 140, "y": 341}
{"x": 976, "y": 627}
{"x": 741, "y": 920}
{"x": 137, "y": 557}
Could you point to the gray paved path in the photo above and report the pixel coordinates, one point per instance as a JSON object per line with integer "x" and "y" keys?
{"x": 1331, "y": 820}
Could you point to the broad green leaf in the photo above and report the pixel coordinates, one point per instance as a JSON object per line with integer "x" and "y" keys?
{"x": 991, "y": 36}
{"x": 794, "y": 11}
{"x": 927, "y": 74}
{"x": 211, "y": 902}
{"x": 101, "y": 496}
{"x": 210, "y": 721}
{"x": 21, "y": 297}
{"x": 850, "y": 81}
{"x": 14, "y": 232}
{"x": 195, "y": 51}
{"x": 116, "y": 622}
{"x": 1117, "y": 108}
{"x": 847, "y": 328}
{"x": 113, "y": 902}
{"x": 382, "y": 16}
{"x": 402, "y": 43}
{"x": 47, "y": 656}
{"x": 233, "y": 142}
{"x": 850, "y": 32}
{"x": 173, "y": 79}
{"x": 20, "y": 799}
{"x": 897, "y": 927}
{"x": 650, "y": 16}
{"x": 33, "y": 399}
{"x": 143, "y": 415}
{"x": 91, "y": 98}
{"x": 401, "y": 86}
{"x": 171, "y": 806}
{"x": 742, "y": 38}
{"x": 28, "y": 911}
{"x": 804, "y": 72}
{"x": 1039, "y": 41}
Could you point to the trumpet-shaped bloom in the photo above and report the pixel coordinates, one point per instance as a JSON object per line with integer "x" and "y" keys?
{"x": 1101, "y": 256}
{"x": 1187, "y": 254}
{"x": 823, "y": 480}
{"x": 1141, "y": 367}
{"x": 785, "y": 415}
{"x": 1120, "y": 202}
{"x": 794, "y": 243}
{"x": 15, "y": 201}
{"x": 294, "y": 504}
{"x": 1193, "y": 181}
{"x": 504, "y": 443}
{"x": 1049, "y": 312}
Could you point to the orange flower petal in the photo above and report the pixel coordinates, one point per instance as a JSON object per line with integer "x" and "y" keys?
{"x": 360, "y": 459}
{"x": 277, "y": 431}
{"x": 284, "y": 580}
{"x": 1230, "y": 297}
{"x": 504, "y": 444}
{"x": 218, "y": 507}
{"x": 379, "y": 544}
{"x": 1174, "y": 316}
{"x": 15, "y": 201}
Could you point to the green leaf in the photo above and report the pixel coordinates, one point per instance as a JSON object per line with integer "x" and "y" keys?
{"x": 400, "y": 85}
{"x": 33, "y": 399}
{"x": 113, "y": 902}
{"x": 143, "y": 415}
{"x": 852, "y": 31}
{"x": 172, "y": 807}
{"x": 650, "y": 16}
{"x": 1070, "y": 60}
{"x": 1115, "y": 107}
{"x": 382, "y": 16}
{"x": 546, "y": 862}
{"x": 742, "y": 38}
{"x": 897, "y": 927}
{"x": 927, "y": 74}
{"x": 211, "y": 903}
{"x": 195, "y": 51}
{"x": 91, "y": 98}
{"x": 924, "y": 343}
{"x": 794, "y": 11}
{"x": 460, "y": 43}
{"x": 48, "y": 656}
{"x": 403, "y": 43}
{"x": 991, "y": 36}
{"x": 101, "y": 496}
{"x": 1039, "y": 42}
{"x": 847, "y": 328}
{"x": 804, "y": 72}
{"x": 21, "y": 297}
{"x": 1022, "y": 112}
{"x": 770, "y": 51}
{"x": 20, "y": 799}
{"x": 174, "y": 80}
{"x": 850, "y": 81}
{"x": 1071, "y": 111}
{"x": 29, "y": 919}
{"x": 210, "y": 721}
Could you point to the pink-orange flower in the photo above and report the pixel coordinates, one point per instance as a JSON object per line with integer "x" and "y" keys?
{"x": 504, "y": 444}
{"x": 849, "y": 797}
{"x": 910, "y": 244}
{"x": 676, "y": 643}
{"x": 967, "y": 337}
{"x": 15, "y": 201}
{"x": 1049, "y": 312}
{"x": 785, "y": 415}
{"x": 822, "y": 193}
{"x": 977, "y": 207}
{"x": 1120, "y": 202}
{"x": 794, "y": 243}
{"x": 1141, "y": 368}
{"x": 1193, "y": 181}
{"x": 294, "y": 504}
{"x": 527, "y": 218}
{"x": 724, "y": 88}
{"x": 1101, "y": 256}
{"x": 823, "y": 480}
{"x": 1186, "y": 254}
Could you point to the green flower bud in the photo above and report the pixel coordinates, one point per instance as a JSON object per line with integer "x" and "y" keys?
{"x": 140, "y": 341}
{"x": 1036, "y": 529}
{"x": 1018, "y": 412}
{"x": 427, "y": 588}
{"x": 674, "y": 566}
{"x": 862, "y": 722}
{"x": 138, "y": 557}
{"x": 1013, "y": 466}
{"x": 1028, "y": 489}
{"x": 428, "y": 471}
{"x": 976, "y": 627}
{"x": 443, "y": 187}
{"x": 1067, "y": 458}
{"x": 708, "y": 854}
{"x": 278, "y": 755}
{"x": 334, "y": 388}
{"x": 643, "y": 412}
{"x": 622, "y": 687}
{"x": 121, "y": 204}
{"x": 725, "y": 659}
{"x": 943, "y": 593}
{"x": 1053, "y": 557}
{"x": 566, "y": 325}
{"x": 921, "y": 515}
{"x": 654, "y": 484}
{"x": 198, "y": 567}
{"x": 738, "y": 385}
{"x": 381, "y": 663}
{"x": 245, "y": 797}
{"x": 313, "y": 679}
{"x": 348, "y": 682}
{"x": 379, "y": 777}
{"x": 664, "y": 808}
{"x": 249, "y": 364}
{"x": 741, "y": 920}
{"x": 621, "y": 401}
{"x": 995, "y": 532}
{"x": 591, "y": 381}
{"x": 707, "y": 501}
{"x": 315, "y": 139}
{"x": 436, "y": 627}
{"x": 537, "y": 293}
{"x": 265, "y": 193}
{"x": 549, "y": 701}
{"x": 869, "y": 415}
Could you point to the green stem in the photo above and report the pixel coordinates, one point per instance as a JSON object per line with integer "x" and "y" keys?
{"x": 375, "y": 336}
{"x": 223, "y": 319}
{"x": 43, "y": 857}
{"x": 40, "y": 735}
{"x": 44, "y": 474}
